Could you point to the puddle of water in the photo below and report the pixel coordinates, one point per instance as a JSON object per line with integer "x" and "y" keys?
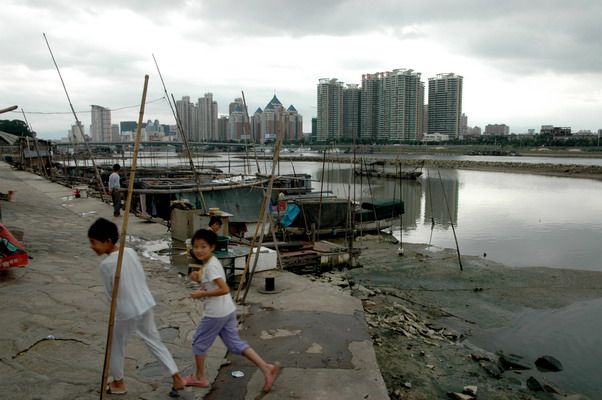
{"x": 571, "y": 335}
{"x": 172, "y": 253}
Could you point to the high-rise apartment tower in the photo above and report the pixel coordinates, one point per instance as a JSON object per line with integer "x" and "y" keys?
{"x": 330, "y": 110}
{"x": 445, "y": 105}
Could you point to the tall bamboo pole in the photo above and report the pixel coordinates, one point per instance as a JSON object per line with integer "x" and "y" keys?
{"x": 8, "y": 109}
{"x": 128, "y": 204}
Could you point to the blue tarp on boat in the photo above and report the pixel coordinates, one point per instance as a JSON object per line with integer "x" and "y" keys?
{"x": 292, "y": 210}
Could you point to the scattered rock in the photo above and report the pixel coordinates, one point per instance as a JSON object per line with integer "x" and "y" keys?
{"x": 492, "y": 369}
{"x": 459, "y": 396}
{"x": 548, "y": 363}
{"x": 534, "y": 385}
{"x": 407, "y": 385}
{"x": 470, "y": 390}
{"x": 480, "y": 356}
{"x": 549, "y": 389}
{"x": 396, "y": 395}
{"x": 513, "y": 362}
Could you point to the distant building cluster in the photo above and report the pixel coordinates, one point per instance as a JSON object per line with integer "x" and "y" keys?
{"x": 199, "y": 122}
{"x": 497, "y": 130}
{"x": 389, "y": 106}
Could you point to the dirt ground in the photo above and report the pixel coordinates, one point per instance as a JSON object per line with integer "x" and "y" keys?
{"x": 421, "y": 307}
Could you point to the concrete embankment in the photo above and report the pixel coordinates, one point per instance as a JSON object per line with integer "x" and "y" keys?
{"x": 55, "y": 314}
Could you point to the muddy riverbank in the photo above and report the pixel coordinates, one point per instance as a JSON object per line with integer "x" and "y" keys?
{"x": 565, "y": 170}
{"x": 422, "y": 310}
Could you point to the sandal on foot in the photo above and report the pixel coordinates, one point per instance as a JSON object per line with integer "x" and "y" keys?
{"x": 114, "y": 392}
{"x": 173, "y": 392}
{"x": 270, "y": 379}
{"x": 191, "y": 381}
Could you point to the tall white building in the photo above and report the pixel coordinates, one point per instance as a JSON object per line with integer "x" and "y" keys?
{"x": 187, "y": 114}
{"x": 100, "y": 128}
{"x": 351, "y": 111}
{"x": 497, "y": 130}
{"x": 270, "y": 120}
{"x": 223, "y": 128}
{"x": 370, "y": 102}
{"x": 294, "y": 124}
{"x": 445, "y": 105}
{"x": 236, "y": 125}
{"x": 400, "y": 111}
{"x": 77, "y": 134}
{"x": 392, "y": 105}
{"x": 330, "y": 109}
{"x": 207, "y": 118}
{"x": 115, "y": 133}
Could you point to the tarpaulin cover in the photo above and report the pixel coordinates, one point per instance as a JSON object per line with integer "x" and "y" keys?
{"x": 292, "y": 210}
{"x": 12, "y": 253}
{"x": 323, "y": 213}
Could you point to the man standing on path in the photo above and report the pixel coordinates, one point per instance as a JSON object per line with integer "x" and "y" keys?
{"x": 114, "y": 186}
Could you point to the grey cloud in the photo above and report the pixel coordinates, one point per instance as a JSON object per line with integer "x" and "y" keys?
{"x": 150, "y": 8}
{"x": 557, "y": 41}
{"x": 527, "y": 36}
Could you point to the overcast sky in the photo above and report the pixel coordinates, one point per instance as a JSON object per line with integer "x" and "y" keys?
{"x": 525, "y": 63}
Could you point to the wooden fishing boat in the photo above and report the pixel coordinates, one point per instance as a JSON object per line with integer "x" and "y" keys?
{"x": 332, "y": 216}
{"x": 240, "y": 195}
{"x": 412, "y": 175}
{"x": 370, "y": 169}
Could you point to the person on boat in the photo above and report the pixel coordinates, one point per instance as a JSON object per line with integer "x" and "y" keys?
{"x": 215, "y": 224}
{"x": 134, "y": 306}
{"x": 219, "y": 318}
{"x": 114, "y": 185}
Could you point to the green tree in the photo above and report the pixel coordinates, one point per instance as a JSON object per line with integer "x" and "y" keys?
{"x": 15, "y": 127}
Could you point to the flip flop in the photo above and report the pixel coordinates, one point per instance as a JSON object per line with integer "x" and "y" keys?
{"x": 191, "y": 381}
{"x": 270, "y": 379}
{"x": 109, "y": 391}
{"x": 173, "y": 392}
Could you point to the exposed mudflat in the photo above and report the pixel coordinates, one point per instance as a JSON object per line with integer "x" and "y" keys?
{"x": 422, "y": 309}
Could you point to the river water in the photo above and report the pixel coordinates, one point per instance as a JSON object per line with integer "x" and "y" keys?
{"x": 516, "y": 219}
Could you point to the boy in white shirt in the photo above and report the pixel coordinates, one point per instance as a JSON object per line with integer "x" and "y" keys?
{"x": 134, "y": 305}
{"x": 220, "y": 314}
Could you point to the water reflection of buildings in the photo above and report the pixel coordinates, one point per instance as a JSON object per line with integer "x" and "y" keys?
{"x": 434, "y": 206}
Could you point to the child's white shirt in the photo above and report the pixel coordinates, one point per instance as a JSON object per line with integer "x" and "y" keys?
{"x": 134, "y": 297}
{"x": 215, "y": 306}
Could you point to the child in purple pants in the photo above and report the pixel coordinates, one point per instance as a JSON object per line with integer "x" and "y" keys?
{"x": 219, "y": 318}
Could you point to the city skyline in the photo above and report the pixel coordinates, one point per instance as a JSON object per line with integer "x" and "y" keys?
{"x": 524, "y": 65}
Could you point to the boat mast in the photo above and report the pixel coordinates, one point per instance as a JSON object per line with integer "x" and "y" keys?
{"x": 79, "y": 125}
{"x": 183, "y": 135}
{"x": 248, "y": 124}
